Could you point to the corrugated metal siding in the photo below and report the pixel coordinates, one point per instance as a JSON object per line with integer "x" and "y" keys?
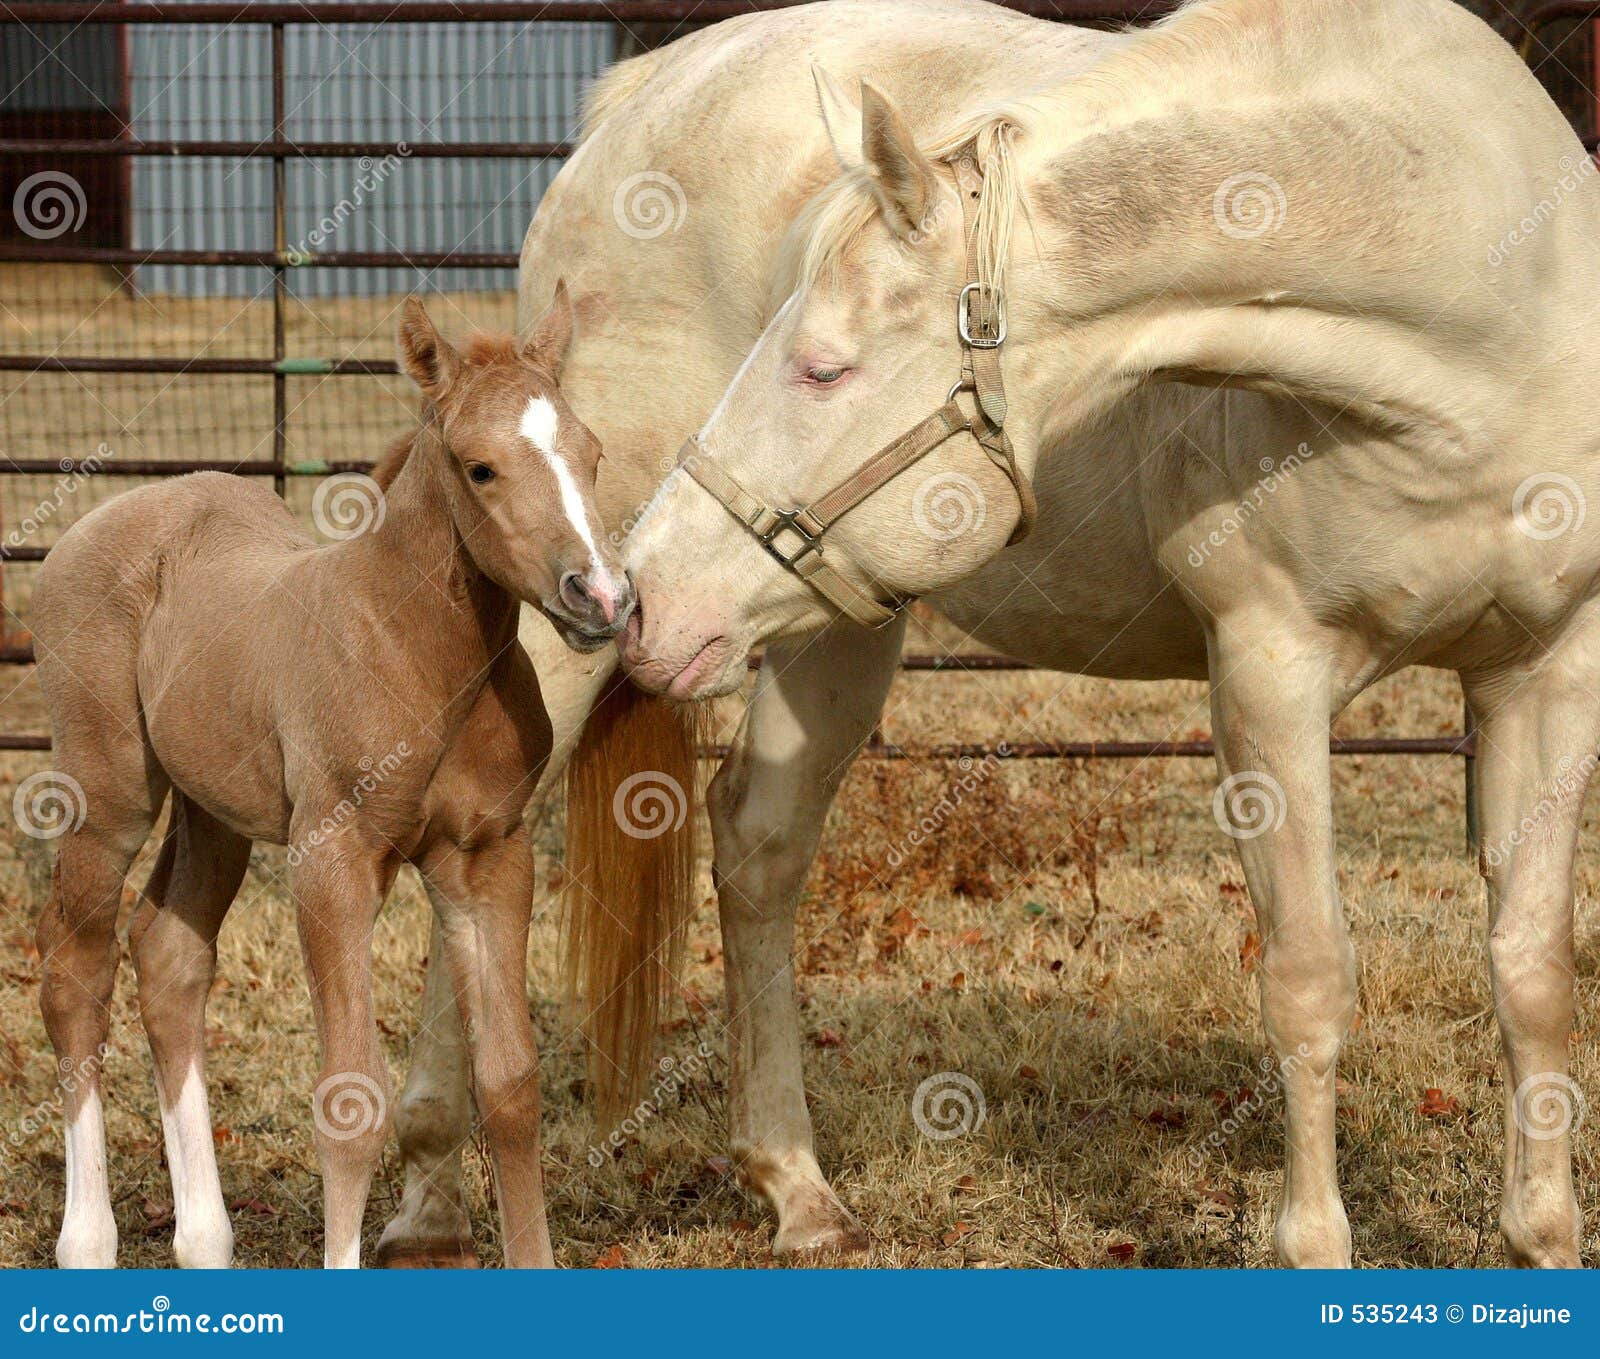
{"x": 411, "y": 82}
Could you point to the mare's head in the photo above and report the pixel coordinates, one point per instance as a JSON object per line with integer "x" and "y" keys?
{"x": 864, "y": 348}
{"x": 516, "y": 468}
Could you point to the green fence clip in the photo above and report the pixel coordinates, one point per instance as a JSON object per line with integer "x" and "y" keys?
{"x": 314, "y": 467}
{"x": 303, "y": 366}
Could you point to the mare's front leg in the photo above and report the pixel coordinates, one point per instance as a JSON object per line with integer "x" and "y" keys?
{"x": 1271, "y": 699}
{"x": 814, "y": 707}
{"x": 338, "y": 886}
{"x": 1538, "y": 727}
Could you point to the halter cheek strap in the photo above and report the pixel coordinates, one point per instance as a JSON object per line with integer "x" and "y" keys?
{"x": 794, "y": 537}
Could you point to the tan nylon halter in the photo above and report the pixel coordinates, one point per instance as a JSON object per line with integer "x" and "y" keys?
{"x": 981, "y": 325}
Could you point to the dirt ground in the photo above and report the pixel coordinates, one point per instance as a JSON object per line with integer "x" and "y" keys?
{"x": 1075, "y": 942}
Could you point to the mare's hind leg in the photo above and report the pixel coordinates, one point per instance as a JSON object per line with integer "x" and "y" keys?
{"x": 1271, "y": 699}
{"x": 1538, "y": 729}
{"x": 118, "y": 800}
{"x": 175, "y": 951}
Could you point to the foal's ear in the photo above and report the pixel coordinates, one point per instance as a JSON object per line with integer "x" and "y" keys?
{"x": 841, "y": 116}
{"x": 424, "y": 353}
{"x": 546, "y": 344}
{"x": 902, "y": 177}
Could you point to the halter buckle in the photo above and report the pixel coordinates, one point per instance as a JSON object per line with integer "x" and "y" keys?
{"x": 994, "y": 303}
{"x": 789, "y": 520}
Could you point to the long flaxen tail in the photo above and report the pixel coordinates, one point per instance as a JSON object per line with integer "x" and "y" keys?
{"x": 630, "y": 878}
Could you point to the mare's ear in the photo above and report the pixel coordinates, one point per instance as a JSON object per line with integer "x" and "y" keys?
{"x": 841, "y": 116}
{"x": 424, "y": 353}
{"x": 902, "y": 177}
{"x": 546, "y": 344}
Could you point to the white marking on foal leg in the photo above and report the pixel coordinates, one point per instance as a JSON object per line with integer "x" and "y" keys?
{"x": 88, "y": 1237}
{"x": 204, "y": 1236}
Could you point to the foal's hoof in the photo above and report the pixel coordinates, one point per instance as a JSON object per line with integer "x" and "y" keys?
{"x": 448, "y": 1253}
{"x": 825, "y": 1232}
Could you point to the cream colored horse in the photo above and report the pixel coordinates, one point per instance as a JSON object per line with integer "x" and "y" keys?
{"x": 1354, "y": 313}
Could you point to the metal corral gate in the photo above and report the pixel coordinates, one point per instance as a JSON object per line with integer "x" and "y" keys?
{"x": 119, "y": 147}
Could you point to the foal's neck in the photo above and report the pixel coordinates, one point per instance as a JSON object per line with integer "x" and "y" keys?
{"x": 418, "y": 557}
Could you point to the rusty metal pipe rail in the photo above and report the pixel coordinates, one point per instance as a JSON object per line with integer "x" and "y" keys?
{"x": 269, "y": 147}
{"x": 514, "y": 11}
{"x": 263, "y": 259}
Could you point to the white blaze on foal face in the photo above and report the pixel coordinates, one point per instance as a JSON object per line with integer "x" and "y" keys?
{"x": 540, "y": 423}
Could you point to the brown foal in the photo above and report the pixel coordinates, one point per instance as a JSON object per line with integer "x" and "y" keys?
{"x": 364, "y": 702}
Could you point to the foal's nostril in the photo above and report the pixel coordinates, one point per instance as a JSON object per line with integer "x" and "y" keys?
{"x": 574, "y": 591}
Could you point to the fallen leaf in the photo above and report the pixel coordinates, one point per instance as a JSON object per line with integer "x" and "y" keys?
{"x": 955, "y": 1234}
{"x": 1436, "y": 1104}
{"x": 828, "y": 1038}
{"x": 1250, "y": 951}
{"x": 1123, "y": 1250}
{"x": 612, "y": 1259}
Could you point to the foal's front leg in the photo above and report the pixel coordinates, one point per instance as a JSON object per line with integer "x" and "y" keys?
{"x": 482, "y": 895}
{"x": 1270, "y": 704}
{"x": 338, "y": 887}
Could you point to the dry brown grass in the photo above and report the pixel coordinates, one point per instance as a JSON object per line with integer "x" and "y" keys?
{"x": 1109, "y": 1051}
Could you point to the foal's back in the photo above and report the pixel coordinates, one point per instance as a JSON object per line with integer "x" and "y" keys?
{"x": 166, "y": 611}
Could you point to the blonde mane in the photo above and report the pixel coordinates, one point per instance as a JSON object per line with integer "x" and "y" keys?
{"x": 831, "y": 223}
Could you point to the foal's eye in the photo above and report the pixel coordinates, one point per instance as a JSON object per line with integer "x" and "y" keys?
{"x": 480, "y": 473}
{"x": 824, "y": 376}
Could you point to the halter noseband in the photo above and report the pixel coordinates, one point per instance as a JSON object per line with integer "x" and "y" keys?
{"x": 794, "y": 537}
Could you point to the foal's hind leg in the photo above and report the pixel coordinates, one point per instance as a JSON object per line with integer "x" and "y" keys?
{"x": 175, "y": 950}
{"x": 1537, "y": 734}
{"x": 78, "y": 947}
{"x": 1270, "y": 702}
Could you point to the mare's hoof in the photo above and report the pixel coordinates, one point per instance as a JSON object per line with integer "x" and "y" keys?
{"x": 450, "y": 1253}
